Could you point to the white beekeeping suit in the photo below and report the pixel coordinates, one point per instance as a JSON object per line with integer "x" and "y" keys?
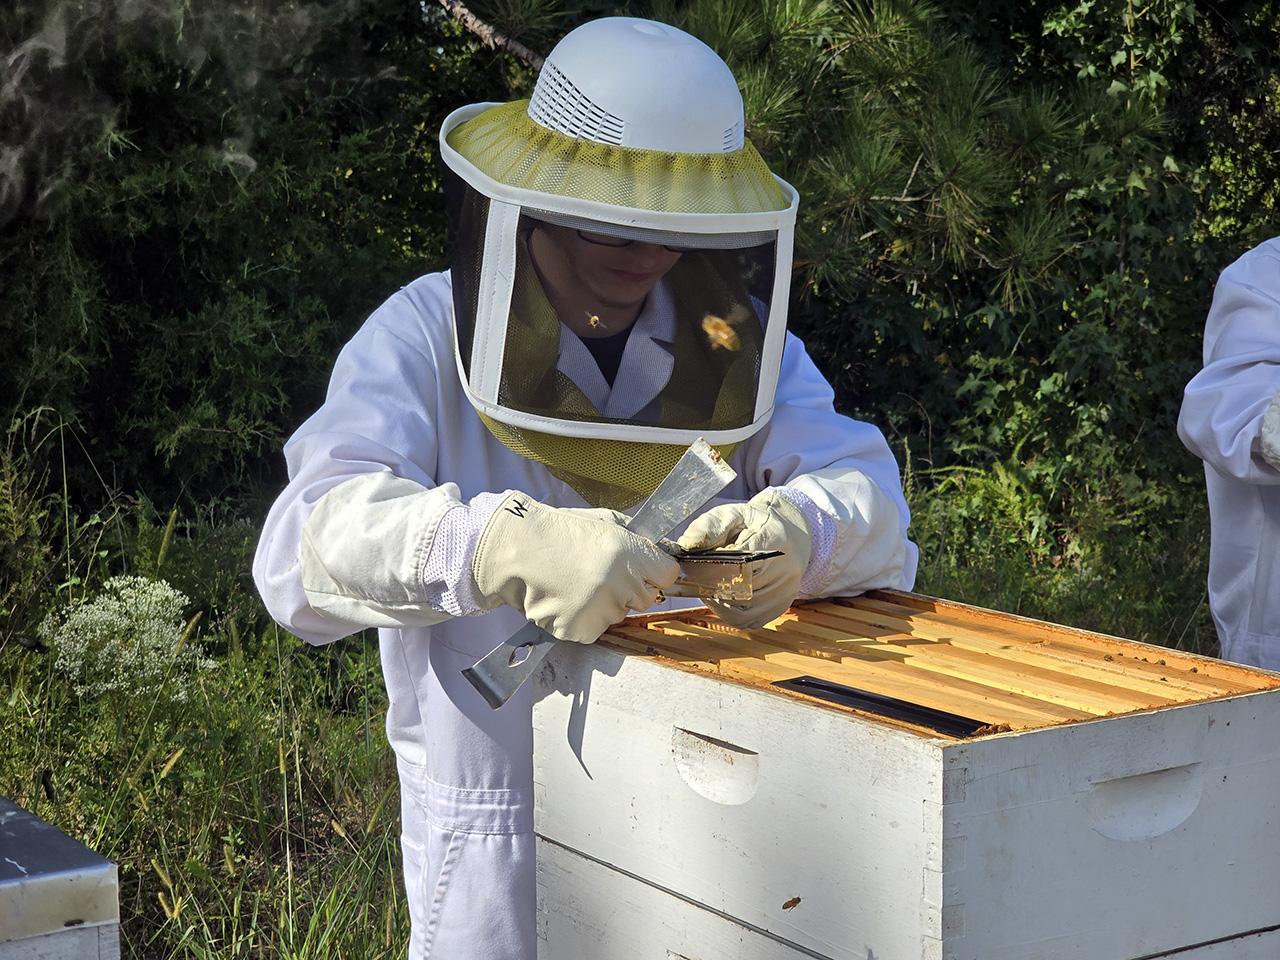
{"x": 1231, "y": 419}
{"x": 619, "y": 290}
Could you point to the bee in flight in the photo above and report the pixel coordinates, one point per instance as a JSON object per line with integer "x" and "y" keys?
{"x": 719, "y": 330}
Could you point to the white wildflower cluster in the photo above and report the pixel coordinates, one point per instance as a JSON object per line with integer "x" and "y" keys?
{"x": 130, "y": 639}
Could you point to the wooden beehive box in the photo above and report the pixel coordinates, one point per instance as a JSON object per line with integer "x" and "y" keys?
{"x": 893, "y": 777}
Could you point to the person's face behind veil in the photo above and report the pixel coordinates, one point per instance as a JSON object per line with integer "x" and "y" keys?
{"x": 596, "y": 283}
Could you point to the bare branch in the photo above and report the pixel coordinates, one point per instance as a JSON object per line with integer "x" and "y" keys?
{"x": 491, "y": 37}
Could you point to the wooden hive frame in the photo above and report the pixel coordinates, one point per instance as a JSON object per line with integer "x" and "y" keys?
{"x": 995, "y": 672}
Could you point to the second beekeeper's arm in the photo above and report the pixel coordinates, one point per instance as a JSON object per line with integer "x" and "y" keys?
{"x": 1230, "y": 414}
{"x": 829, "y": 497}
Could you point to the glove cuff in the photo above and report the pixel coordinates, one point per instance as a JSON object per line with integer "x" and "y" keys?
{"x": 823, "y": 544}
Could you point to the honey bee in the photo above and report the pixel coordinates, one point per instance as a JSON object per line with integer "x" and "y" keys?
{"x": 592, "y": 319}
{"x": 719, "y": 330}
{"x": 720, "y": 333}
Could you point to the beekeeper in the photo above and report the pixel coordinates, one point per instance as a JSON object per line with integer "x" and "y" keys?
{"x": 1231, "y": 419}
{"x": 619, "y": 290}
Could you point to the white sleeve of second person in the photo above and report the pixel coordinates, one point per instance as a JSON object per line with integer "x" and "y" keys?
{"x": 1230, "y": 416}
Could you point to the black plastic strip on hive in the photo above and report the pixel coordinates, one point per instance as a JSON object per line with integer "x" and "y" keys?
{"x": 724, "y": 556}
{"x": 951, "y": 724}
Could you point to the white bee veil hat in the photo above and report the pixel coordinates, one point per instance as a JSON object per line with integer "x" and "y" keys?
{"x": 634, "y": 134}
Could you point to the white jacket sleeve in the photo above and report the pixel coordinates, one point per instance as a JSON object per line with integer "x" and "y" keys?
{"x": 846, "y": 469}
{"x": 375, "y": 552}
{"x": 1224, "y": 405}
{"x": 348, "y": 543}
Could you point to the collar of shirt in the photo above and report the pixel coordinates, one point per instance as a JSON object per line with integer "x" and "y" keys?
{"x": 646, "y": 364}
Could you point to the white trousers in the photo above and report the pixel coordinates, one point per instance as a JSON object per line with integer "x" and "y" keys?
{"x": 466, "y": 782}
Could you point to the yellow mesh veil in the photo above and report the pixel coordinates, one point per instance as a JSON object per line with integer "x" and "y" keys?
{"x": 506, "y": 145}
{"x": 616, "y": 474}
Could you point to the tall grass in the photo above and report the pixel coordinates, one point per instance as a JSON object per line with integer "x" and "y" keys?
{"x": 256, "y": 814}
{"x": 259, "y": 818}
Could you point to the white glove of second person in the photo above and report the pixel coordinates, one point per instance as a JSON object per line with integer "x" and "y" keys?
{"x": 572, "y": 572}
{"x": 768, "y": 521}
{"x": 1270, "y": 445}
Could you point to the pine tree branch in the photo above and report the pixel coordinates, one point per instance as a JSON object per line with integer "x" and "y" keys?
{"x": 491, "y": 37}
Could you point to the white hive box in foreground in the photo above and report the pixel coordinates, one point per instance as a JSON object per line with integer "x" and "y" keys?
{"x": 58, "y": 899}
{"x": 930, "y": 782}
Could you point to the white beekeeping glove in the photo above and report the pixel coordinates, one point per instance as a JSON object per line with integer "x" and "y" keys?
{"x": 1270, "y": 439}
{"x": 572, "y": 572}
{"x": 768, "y": 521}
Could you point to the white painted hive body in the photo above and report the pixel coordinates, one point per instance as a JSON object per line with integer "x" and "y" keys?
{"x": 58, "y": 899}
{"x": 1109, "y": 800}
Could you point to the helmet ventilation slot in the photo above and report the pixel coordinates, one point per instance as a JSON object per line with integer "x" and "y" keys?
{"x": 560, "y": 106}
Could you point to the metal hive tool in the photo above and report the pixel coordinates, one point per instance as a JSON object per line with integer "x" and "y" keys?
{"x": 698, "y": 476}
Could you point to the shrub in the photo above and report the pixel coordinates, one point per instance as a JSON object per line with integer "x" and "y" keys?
{"x": 129, "y": 641}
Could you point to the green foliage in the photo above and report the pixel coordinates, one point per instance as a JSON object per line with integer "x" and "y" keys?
{"x": 25, "y": 508}
{"x": 255, "y": 813}
{"x": 1228, "y": 112}
{"x": 1126, "y": 45}
{"x": 208, "y": 559}
{"x": 185, "y": 253}
{"x": 992, "y": 538}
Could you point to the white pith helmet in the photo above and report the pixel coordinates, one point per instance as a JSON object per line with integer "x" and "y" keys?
{"x": 639, "y": 83}
{"x": 634, "y": 132}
